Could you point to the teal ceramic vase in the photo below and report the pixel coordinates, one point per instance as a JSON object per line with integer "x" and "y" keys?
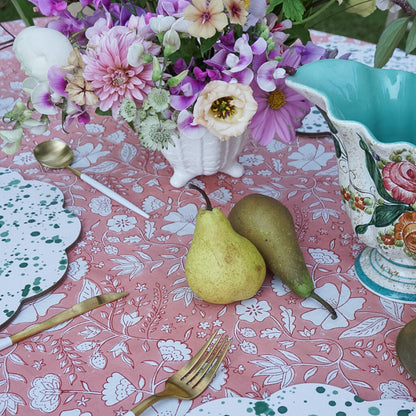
{"x": 371, "y": 115}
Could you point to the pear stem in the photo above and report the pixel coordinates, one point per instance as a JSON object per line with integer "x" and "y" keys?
{"x": 203, "y": 193}
{"x": 323, "y": 302}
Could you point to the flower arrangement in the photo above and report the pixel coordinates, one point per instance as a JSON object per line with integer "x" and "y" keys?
{"x": 168, "y": 68}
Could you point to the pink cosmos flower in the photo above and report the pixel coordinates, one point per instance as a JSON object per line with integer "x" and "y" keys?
{"x": 112, "y": 77}
{"x": 280, "y": 113}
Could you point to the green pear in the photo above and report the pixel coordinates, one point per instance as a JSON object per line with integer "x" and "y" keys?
{"x": 269, "y": 225}
{"x": 222, "y": 266}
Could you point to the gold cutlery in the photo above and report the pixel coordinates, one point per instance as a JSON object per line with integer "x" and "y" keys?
{"x": 192, "y": 379}
{"x": 76, "y": 310}
{"x": 58, "y": 155}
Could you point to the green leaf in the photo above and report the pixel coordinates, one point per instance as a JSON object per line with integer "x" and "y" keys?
{"x": 273, "y": 4}
{"x": 298, "y": 32}
{"x": 103, "y": 113}
{"x": 25, "y": 11}
{"x": 383, "y": 216}
{"x": 411, "y": 38}
{"x": 207, "y": 44}
{"x": 389, "y": 40}
{"x": 337, "y": 147}
{"x": 189, "y": 49}
{"x": 328, "y": 121}
{"x": 412, "y": 3}
{"x": 293, "y": 10}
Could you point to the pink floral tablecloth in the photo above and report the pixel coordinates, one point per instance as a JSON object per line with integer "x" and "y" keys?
{"x": 105, "y": 361}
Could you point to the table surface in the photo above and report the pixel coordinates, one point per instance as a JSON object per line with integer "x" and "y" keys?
{"x": 105, "y": 361}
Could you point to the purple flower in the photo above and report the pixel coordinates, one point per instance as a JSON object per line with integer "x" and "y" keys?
{"x": 279, "y": 113}
{"x": 243, "y": 56}
{"x": 270, "y": 72}
{"x": 234, "y": 62}
{"x": 171, "y": 7}
{"x": 42, "y": 99}
{"x": 187, "y": 126}
{"x": 210, "y": 74}
{"x": 309, "y": 52}
{"x": 186, "y": 93}
{"x": 57, "y": 80}
{"x": 97, "y": 3}
{"x": 75, "y": 112}
{"x": 125, "y": 12}
{"x": 70, "y": 25}
{"x": 50, "y": 7}
{"x": 277, "y": 28}
{"x": 256, "y": 12}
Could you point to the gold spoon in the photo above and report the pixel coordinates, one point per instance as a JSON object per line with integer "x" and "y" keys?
{"x": 58, "y": 155}
{"x": 405, "y": 347}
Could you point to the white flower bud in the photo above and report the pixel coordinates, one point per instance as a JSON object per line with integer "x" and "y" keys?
{"x": 161, "y": 23}
{"x": 134, "y": 54}
{"x": 171, "y": 41}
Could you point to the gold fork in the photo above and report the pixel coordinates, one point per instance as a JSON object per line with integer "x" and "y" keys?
{"x": 194, "y": 377}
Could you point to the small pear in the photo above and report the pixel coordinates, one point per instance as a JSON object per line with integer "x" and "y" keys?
{"x": 269, "y": 225}
{"x": 222, "y": 266}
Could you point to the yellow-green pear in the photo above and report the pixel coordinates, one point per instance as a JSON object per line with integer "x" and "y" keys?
{"x": 222, "y": 266}
{"x": 269, "y": 225}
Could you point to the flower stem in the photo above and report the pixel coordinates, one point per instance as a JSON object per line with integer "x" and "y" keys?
{"x": 406, "y": 7}
{"x": 24, "y": 10}
{"x": 150, "y": 6}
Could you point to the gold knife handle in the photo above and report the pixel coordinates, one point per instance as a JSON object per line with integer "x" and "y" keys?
{"x": 42, "y": 326}
{"x": 76, "y": 310}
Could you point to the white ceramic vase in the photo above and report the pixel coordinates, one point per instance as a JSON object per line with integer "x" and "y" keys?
{"x": 191, "y": 157}
{"x": 370, "y": 113}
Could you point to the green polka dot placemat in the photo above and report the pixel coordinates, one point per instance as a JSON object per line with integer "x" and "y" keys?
{"x": 306, "y": 400}
{"x": 35, "y": 231}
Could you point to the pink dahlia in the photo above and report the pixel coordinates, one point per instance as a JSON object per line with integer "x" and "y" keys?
{"x": 279, "y": 113}
{"x": 112, "y": 77}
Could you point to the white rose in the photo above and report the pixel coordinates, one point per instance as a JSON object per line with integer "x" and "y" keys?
{"x": 39, "y": 48}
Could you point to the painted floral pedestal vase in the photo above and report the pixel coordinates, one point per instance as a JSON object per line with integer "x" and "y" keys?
{"x": 205, "y": 155}
{"x": 370, "y": 114}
